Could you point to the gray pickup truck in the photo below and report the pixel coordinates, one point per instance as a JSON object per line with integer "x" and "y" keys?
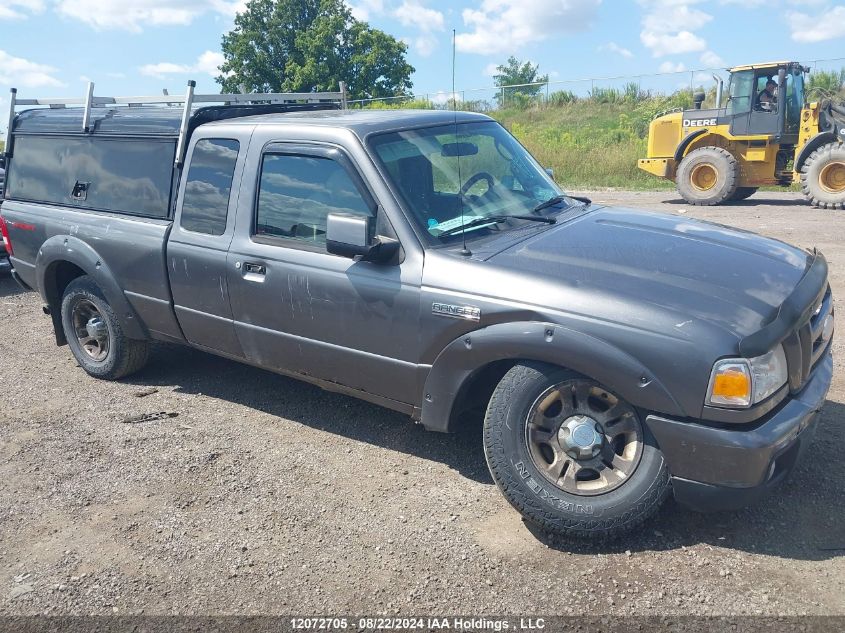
{"x": 425, "y": 262}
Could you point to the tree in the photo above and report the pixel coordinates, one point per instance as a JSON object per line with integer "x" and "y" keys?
{"x": 515, "y": 72}
{"x": 825, "y": 83}
{"x": 311, "y": 45}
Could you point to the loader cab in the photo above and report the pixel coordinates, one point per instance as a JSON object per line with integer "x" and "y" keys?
{"x": 752, "y": 111}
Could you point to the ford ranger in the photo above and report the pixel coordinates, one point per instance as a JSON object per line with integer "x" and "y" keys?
{"x": 425, "y": 262}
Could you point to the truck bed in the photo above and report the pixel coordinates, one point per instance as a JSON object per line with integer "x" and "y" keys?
{"x": 133, "y": 248}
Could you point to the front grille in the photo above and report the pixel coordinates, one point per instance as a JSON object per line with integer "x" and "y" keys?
{"x": 819, "y": 337}
{"x": 809, "y": 344}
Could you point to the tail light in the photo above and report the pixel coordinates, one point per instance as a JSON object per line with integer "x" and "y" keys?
{"x": 7, "y": 241}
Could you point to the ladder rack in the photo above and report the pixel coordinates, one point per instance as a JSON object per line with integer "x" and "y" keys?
{"x": 188, "y": 101}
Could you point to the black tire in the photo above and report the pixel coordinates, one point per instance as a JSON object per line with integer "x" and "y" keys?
{"x": 822, "y": 177}
{"x": 743, "y": 193}
{"x": 708, "y": 176}
{"x": 507, "y": 449}
{"x": 122, "y": 356}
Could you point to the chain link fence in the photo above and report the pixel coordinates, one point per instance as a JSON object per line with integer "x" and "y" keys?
{"x": 614, "y": 89}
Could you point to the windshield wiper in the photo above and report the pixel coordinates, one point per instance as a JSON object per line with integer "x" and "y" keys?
{"x": 495, "y": 219}
{"x": 550, "y": 203}
{"x": 558, "y": 200}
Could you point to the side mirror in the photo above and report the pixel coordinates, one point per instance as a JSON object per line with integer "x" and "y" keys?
{"x": 550, "y": 172}
{"x": 348, "y": 235}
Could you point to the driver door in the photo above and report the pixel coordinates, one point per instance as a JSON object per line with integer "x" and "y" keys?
{"x": 763, "y": 120}
{"x": 748, "y": 118}
{"x": 299, "y": 309}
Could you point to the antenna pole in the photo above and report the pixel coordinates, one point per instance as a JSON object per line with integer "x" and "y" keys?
{"x": 464, "y": 250}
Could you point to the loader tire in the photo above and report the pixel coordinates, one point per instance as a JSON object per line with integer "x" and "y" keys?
{"x": 742, "y": 193}
{"x": 823, "y": 177}
{"x": 708, "y": 176}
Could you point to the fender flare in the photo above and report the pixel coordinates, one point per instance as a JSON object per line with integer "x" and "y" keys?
{"x": 684, "y": 144}
{"x": 822, "y": 138}
{"x": 544, "y": 342}
{"x": 66, "y": 248}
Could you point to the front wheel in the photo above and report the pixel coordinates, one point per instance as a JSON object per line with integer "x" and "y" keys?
{"x": 94, "y": 334}
{"x": 570, "y": 455}
{"x": 708, "y": 176}
{"x": 823, "y": 177}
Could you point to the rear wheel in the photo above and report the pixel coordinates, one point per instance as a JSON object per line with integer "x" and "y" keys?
{"x": 94, "y": 334}
{"x": 570, "y": 455}
{"x": 742, "y": 193}
{"x": 823, "y": 177}
{"x": 707, "y": 176}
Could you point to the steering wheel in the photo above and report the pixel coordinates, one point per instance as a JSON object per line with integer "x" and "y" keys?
{"x": 482, "y": 175}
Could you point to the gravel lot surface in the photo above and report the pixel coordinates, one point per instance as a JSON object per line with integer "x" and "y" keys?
{"x": 266, "y": 495}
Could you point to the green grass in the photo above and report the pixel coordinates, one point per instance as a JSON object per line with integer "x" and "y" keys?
{"x": 588, "y": 145}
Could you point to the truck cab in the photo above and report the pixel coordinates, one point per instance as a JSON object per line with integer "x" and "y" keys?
{"x": 766, "y": 100}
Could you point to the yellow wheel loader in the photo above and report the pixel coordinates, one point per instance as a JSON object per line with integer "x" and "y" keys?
{"x": 766, "y": 133}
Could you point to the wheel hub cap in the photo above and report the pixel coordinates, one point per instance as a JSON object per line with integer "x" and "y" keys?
{"x": 92, "y": 331}
{"x": 704, "y": 177}
{"x": 97, "y": 329}
{"x": 832, "y": 178}
{"x": 583, "y": 439}
{"x": 580, "y": 437}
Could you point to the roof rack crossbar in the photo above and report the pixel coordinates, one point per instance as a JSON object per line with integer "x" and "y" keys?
{"x": 254, "y": 97}
{"x": 190, "y": 99}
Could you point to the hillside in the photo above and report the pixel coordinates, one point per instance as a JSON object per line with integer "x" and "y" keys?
{"x": 587, "y": 144}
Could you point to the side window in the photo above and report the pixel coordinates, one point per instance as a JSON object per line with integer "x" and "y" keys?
{"x": 120, "y": 175}
{"x": 296, "y": 193}
{"x": 209, "y": 185}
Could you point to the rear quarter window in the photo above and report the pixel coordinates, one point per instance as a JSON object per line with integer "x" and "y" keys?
{"x": 209, "y": 186}
{"x": 123, "y": 175}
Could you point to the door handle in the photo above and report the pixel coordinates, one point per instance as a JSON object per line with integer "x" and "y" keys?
{"x": 255, "y": 269}
{"x": 253, "y": 272}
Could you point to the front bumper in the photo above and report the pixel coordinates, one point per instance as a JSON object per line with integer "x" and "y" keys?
{"x": 662, "y": 167}
{"x": 722, "y": 468}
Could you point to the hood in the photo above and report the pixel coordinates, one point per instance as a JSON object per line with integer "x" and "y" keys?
{"x": 689, "y": 269}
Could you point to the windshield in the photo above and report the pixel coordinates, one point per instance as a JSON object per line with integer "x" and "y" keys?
{"x": 479, "y": 167}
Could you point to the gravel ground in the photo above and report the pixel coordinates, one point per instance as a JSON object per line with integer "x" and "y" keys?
{"x": 263, "y": 495}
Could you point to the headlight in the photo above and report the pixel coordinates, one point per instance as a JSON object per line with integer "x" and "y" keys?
{"x": 742, "y": 382}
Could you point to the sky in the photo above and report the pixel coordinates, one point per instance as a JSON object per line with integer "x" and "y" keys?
{"x": 135, "y": 47}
